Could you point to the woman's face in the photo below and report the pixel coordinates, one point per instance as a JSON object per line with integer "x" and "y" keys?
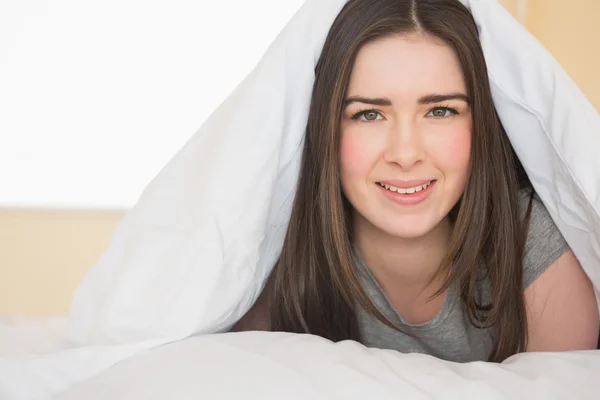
{"x": 405, "y": 134}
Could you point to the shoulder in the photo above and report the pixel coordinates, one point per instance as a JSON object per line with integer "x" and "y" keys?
{"x": 562, "y": 312}
{"x": 544, "y": 243}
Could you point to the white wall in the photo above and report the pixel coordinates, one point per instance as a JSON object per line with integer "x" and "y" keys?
{"x": 96, "y": 96}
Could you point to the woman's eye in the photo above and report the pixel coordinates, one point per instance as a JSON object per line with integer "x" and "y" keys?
{"x": 368, "y": 116}
{"x": 442, "y": 112}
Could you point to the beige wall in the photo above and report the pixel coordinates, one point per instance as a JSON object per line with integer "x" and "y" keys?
{"x": 570, "y": 30}
{"x": 516, "y": 7}
{"x": 44, "y": 253}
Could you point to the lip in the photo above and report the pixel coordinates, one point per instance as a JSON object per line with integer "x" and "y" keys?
{"x": 407, "y": 199}
{"x": 406, "y": 184}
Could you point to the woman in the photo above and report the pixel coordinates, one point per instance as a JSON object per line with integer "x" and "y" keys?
{"x": 414, "y": 227}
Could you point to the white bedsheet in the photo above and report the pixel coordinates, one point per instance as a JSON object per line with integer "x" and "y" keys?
{"x": 261, "y": 365}
{"x": 38, "y": 360}
{"x": 23, "y": 335}
{"x": 255, "y": 365}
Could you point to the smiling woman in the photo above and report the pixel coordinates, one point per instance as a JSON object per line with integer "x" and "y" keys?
{"x": 414, "y": 226}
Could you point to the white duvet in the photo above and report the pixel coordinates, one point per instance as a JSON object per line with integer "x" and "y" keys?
{"x": 190, "y": 259}
{"x": 265, "y": 366}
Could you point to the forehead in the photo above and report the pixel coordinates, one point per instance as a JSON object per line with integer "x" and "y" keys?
{"x": 407, "y": 66}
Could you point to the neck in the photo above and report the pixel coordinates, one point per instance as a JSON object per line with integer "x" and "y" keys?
{"x": 403, "y": 264}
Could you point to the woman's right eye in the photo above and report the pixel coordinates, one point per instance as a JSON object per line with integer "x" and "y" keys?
{"x": 368, "y": 115}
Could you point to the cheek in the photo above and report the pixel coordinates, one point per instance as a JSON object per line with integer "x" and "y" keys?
{"x": 452, "y": 153}
{"x": 358, "y": 155}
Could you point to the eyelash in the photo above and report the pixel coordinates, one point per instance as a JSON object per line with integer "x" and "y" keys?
{"x": 452, "y": 110}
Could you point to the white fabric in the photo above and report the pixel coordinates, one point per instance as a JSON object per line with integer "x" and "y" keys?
{"x": 20, "y": 335}
{"x": 191, "y": 258}
{"x": 278, "y": 366}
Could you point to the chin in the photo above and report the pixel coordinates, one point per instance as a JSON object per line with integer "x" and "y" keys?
{"x": 406, "y": 224}
{"x": 407, "y": 231}
{"x": 406, "y": 228}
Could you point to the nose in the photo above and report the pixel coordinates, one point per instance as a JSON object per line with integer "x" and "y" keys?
{"x": 404, "y": 145}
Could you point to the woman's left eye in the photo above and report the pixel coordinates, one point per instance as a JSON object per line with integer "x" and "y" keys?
{"x": 442, "y": 112}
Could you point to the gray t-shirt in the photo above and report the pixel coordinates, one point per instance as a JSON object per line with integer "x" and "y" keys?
{"x": 450, "y": 335}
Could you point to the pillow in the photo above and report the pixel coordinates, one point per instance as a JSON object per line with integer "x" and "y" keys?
{"x": 261, "y": 365}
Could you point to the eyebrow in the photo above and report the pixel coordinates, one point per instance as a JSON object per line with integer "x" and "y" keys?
{"x": 436, "y": 98}
{"x": 427, "y": 99}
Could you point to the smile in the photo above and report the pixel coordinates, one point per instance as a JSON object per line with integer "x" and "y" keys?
{"x": 409, "y": 190}
{"x": 407, "y": 196}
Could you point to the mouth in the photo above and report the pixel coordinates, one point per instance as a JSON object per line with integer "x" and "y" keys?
{"x": 406, "y": 190}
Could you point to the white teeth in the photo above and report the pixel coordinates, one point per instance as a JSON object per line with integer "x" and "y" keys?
{"x": 410, "y": 190}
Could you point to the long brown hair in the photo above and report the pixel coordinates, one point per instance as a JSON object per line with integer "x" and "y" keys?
{"x": 315, "y": 287}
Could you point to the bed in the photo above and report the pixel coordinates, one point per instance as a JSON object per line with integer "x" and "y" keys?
{"x": 261, "y": 365}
